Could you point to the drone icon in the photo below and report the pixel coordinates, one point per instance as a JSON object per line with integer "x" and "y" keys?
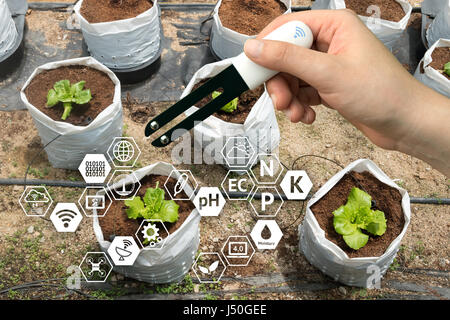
{"x": 95, "y": 267}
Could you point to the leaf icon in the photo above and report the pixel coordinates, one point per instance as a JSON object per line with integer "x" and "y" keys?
{"x": 213, "y": 266}
{"x": 203, "y": 270}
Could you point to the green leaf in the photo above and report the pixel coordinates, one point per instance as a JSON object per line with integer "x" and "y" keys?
{"x": 52, "y": 98}
{"x": 378, "y": 225}
{"x": 355, "y": 215}
{"x": 135, "y": 207}
{"x": 358, "y": 199}
{"x": 169, "y": 211}
{"x": 77, "y": 88}
{"x": 62, "y": 89}
{"x": 447, "y": 68}
{"x": 230, "y": 106}
{"x": 83, "y": 97}
{"x": 356, "y": 240}
{"x": 153, "y": 199}
{"x": 342, "y": 221}
{"x": 67, "y": 94}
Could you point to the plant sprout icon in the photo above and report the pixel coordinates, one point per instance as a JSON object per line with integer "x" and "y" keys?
{"x": 210, "y": 269}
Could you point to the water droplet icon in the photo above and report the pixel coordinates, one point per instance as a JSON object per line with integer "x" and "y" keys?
{"x": 266, "y": 234}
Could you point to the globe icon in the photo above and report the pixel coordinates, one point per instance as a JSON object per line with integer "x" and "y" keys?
{"x": 123, "y": 151}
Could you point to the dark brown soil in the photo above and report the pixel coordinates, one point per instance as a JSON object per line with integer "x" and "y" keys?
{"x": 246, "y": 102}
{"x": 116, "y": 222}
{"x": 440, "y": 57}
{"x": 249, "y": 17}
{"x": 387, "y": 199}
{"x": 101, "y": 86}
{"x": 390, "y": 9}
{"x": 96, "y": 11}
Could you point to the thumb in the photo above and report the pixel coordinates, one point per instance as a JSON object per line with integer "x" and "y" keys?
{"x": 311, "y": 66}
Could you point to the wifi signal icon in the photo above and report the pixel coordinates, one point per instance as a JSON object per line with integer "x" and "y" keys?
{"x": 127, "y": 243}
{"x": 66, "y": 217}
{"x": 299, "y": 33}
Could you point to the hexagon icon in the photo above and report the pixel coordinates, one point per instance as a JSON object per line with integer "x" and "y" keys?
{"x": 66, "y": 217}
{"x": 209, "y": 201}
{"x": 94, "y": 168}
{"x": 95, "y": 201}
{"x": 209, "y": 267}
{"x": 152, "y": 234}
{"x": 124, "y": 152}
{"x": 264, "y": 203}
{"x": 296, "y": 185}
{"x": 238, "y": 251}
{"x": 238, "y": 152}
{"x": 95, "y": 267}
{"x": 235, "y": 181}
{"x": 124, "y": 251}
{"x": 123, "y": 184}
{"x": 268, "y": 169}
{"x": 183, "y": 178}
{"x": 266, "y": 234}
{"x": 35, "y": 201}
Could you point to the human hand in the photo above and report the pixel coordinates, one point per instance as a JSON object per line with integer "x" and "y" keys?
{"x": 350, "y": 70}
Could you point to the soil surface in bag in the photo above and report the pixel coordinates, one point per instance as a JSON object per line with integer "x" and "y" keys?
{"x": 389, "y": 9}
{"x": 246, "y": 102}
{"x": 440, "y": 57}
{"x": 116, "y": 221}
{"x": 387, "y": 199}
{"x": 101, "y": 86}
{"x": 96, "y": 11}
{"x": 249, "y": 17}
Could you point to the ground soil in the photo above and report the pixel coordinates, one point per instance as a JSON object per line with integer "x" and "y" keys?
{"x": 387, "y": 199}
{"x": 246, "y": 102}
{"x": 249, "y": 17}
{"x": 96, "y": 11}
{"x": 390, "y": 9}
{"x": 440, "y": 57}
{"x": 116, "y": 222}
{"x": 101, "y": 86}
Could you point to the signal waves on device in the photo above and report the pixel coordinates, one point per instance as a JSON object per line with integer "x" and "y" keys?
{"x": 299, "y": 33}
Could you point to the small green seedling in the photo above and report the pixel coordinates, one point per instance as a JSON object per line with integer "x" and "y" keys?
{"x": 152, "y": 206}
{"x": 447, "y": 68}
{"x": 230, "y": 106}
{"x": 357, "y": 215}
{"x": 67, "y": 94}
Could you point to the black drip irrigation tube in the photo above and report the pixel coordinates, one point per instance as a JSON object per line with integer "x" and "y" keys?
{"x": 234, "y": 195}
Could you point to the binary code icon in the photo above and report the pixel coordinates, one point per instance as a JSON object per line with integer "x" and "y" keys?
{"x": 95, "y": 168}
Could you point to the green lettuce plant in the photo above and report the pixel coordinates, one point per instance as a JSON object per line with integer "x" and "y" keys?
{"x": 447, "y": 68}
{"x": 67, "y": 94}
{"x": 152, "y": 206}
{"x": 230, "y": 106}
{"x": 356, "y": 215}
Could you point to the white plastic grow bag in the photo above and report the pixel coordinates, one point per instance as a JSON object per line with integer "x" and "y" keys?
{"x": 431, "y": 77}
{"x": 227, "y": 43}
{"x": 123, "y": 44}
{"x": 173, "y": 261}
{"x": 75, "y": 142}
{"x": 440, "y": 27}
{"x": 260, "y": 127}
{"x": 386, "y": 31}
{"x": 8, "y": 31}
{"x": 332, "y": 260}
{"x": 432, "y": 7}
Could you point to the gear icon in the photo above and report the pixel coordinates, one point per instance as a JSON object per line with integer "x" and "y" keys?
{"x": 150, "y": 233}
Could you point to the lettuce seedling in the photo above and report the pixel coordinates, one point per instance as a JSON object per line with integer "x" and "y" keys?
{"x": 230, "y": 106}
{"x": 447, "y": 68}
{"x": 357, "y": 215}
{"x": 152, "y": 206}
{"x": 67, "y": 94}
